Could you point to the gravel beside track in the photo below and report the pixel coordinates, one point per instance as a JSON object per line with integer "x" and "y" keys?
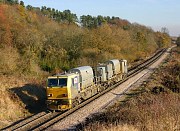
{"x": 69, "y": 122}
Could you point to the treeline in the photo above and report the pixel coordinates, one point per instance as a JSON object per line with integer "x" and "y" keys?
{"x": 12, "y": 2}
{"x": 67, "y": 16}
{"x": 84, "y": 21}
{"x": 35, "y": 39}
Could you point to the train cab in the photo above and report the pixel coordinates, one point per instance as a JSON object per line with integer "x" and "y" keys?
{"x": 61, "y": 90}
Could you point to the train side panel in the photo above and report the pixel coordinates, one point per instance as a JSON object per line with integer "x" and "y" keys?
{"x": 87, "y": 84}
{"x": 123, "y": 66}
{"x": 115, "y": 66}
{"x": 85, "y": 74}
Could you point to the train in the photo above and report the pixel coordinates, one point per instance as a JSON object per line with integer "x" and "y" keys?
{"x": 66, "y": 90}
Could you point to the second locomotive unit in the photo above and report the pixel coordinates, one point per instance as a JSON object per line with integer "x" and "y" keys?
{"x": 64, "y": 91}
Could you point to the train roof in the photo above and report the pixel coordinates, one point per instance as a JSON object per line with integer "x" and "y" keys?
{"x": 61, "y": 75}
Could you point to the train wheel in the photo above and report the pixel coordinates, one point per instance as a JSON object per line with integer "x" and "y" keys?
{"x": 75, "y": 103}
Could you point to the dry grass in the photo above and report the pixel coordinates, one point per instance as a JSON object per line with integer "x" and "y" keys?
{"x": 10, "y": 106}
{"x": 104, "y": 127}
{"x": 146, "y": 112}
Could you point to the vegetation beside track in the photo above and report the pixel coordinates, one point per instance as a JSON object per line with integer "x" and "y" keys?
{"x": 152, "y": 106}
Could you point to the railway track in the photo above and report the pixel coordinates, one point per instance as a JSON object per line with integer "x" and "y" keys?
{"x": 45, "y": 120}
{"x": 25, "y": 121}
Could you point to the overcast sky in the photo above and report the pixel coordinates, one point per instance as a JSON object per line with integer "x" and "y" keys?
{"x": 153, "y": 13}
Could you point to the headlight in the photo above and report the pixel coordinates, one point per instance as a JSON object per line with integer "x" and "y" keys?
{"x": 64, "y": 95}
{"x": 49, "y": 95}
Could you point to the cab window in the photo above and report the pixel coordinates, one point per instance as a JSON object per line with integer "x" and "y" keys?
{"x": 52, "y": 82}
{"x": 63, "y": 82}
{"x": 57, "y": 82}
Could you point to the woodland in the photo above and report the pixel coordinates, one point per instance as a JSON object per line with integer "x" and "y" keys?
{"x": 34, "y": 39}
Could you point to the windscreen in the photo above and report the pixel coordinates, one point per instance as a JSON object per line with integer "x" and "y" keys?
{"x": 57, "y": 82}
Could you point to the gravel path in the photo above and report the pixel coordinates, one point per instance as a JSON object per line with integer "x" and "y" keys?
{"x": 105, "y": 100}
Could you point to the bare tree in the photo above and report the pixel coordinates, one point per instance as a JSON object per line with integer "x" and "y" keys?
{"x": 165, "y": 30}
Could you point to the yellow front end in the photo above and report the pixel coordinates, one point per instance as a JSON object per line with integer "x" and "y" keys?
{"x": 61, "y": 91}
{"x": 57, "y": 99}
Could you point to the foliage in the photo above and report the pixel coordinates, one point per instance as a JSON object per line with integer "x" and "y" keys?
{"x": 163, "y": 39}
{"x": 171, "y": 74}
{"x": 51, "y": 40}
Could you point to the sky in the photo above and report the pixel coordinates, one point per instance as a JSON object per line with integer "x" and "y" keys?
{"x": 152, "y": 13}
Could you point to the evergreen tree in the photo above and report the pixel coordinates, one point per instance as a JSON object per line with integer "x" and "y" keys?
{"x": 22, "y": 3}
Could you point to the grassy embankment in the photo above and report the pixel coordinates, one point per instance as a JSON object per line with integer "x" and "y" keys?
{"x": 154, "y": 106}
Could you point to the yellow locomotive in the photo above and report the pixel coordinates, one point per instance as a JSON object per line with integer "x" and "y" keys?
{"x": 64, "y": 91}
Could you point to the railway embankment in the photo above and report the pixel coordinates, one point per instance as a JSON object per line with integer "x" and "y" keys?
{"x": 20, "y": 98}
{"x": 154, "y": 105}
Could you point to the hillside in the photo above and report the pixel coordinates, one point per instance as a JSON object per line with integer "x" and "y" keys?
{"x": 36, "y": 42}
